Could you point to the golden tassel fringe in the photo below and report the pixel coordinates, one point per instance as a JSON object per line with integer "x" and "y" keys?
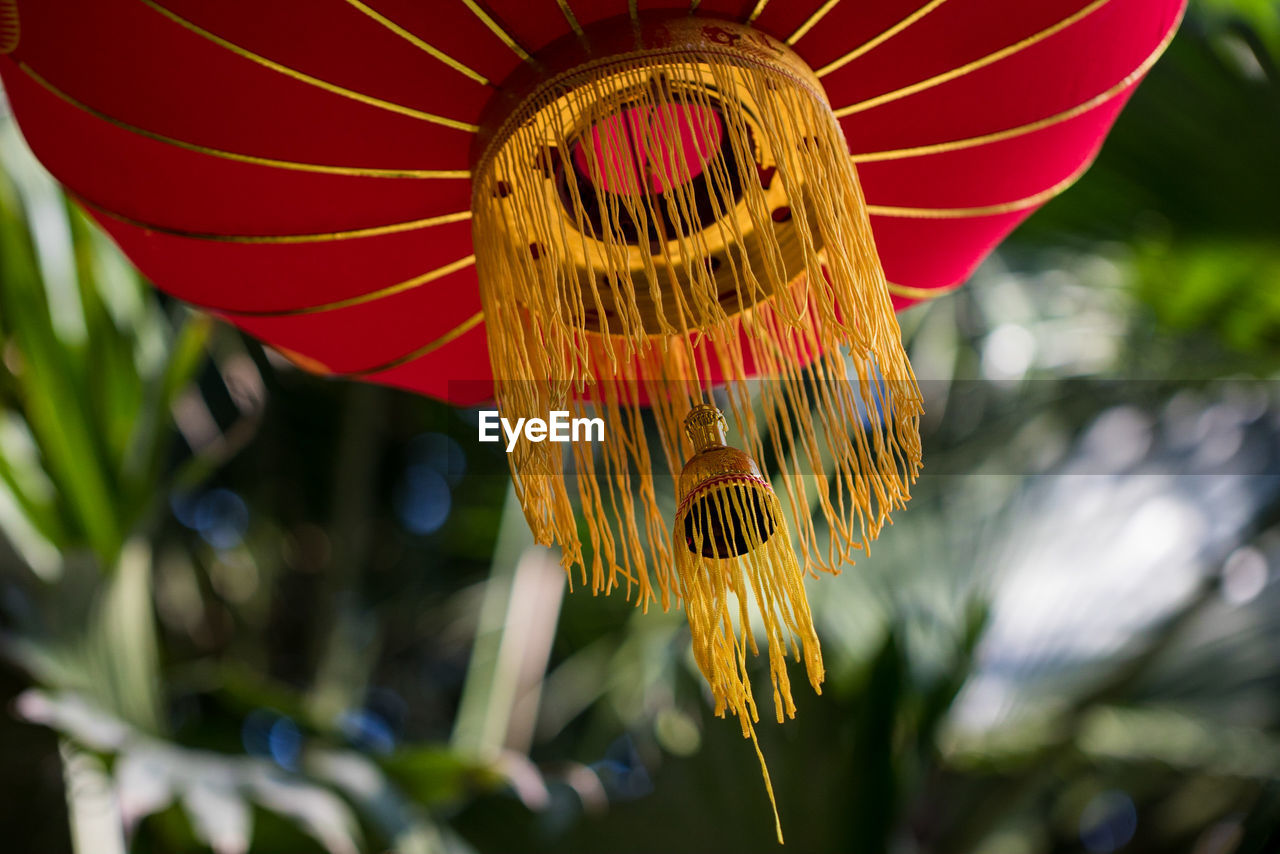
{"x": 764, "y": 267}
{"x": 837, "y": 400}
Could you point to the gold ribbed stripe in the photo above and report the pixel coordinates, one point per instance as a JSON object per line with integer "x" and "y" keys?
{"x": 1029, "y": 127}
{"x": 755, "y": 13}
{"x": 975, "y": 65}
{"x": 325, "y": 237}
{"x": 570, "y": 18}
{"x": 983, "y": 210}
{"x": 909, "y": 292}
{"x": 291, "y": 165}
{"x": 494, "y": 27}
{"x": 417, "y": 42}
{"x": 302, "y": 77}
{"x": 867, "y": 47}
{"x": 361, "y": 299}
{"x": 812, "y": 21}
{"x": 452, "y": 335}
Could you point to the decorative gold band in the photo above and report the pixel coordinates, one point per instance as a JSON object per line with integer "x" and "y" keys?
{"x": 682, "y": 37}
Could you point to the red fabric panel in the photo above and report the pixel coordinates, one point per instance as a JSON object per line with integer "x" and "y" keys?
{"x": 130, "y": 62}
{"x": 336, "y": 42}
{"x": 620, "y": 163}
{"x": 533, "y": 25}
{"x": 1046, "y": 78}
{"x": 972, "y": 177}
{"x": 846, "y": 26}
{"x": 930, "y": 46}
{"x": 728, "y": 10}
{"x": 166, "y": 185}
{"x": 449, "y": 26}
{"x": 256, "y": 277}
{"x": 458, "y": 372}
{"x": 936, "y": 253}
{"x": 588, "y": 12}
{"x": 536, "y": 24}
{"x": 374, "y": 333}
{"x": 781, "y": 18}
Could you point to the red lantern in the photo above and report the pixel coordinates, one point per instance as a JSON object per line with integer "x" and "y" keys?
{"x": 280, "y": 163}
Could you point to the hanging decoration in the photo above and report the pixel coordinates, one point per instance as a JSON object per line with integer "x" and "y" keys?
{"x": 620, "y": 209}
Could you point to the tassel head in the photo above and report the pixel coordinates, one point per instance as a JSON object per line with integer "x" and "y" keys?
{"x": 714, "y": 469}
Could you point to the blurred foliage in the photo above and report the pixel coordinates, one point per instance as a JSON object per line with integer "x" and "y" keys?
{"x": 263, "y": 612}
{"x": 114, "y": 416}
{"x": 1188, "y": 179}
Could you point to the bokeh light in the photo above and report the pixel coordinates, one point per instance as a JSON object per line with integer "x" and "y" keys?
{"x": 422, "y": 499}
{"x": 1108, "y": 822}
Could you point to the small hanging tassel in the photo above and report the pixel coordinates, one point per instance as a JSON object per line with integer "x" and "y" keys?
{"x": 732, "y": 544}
